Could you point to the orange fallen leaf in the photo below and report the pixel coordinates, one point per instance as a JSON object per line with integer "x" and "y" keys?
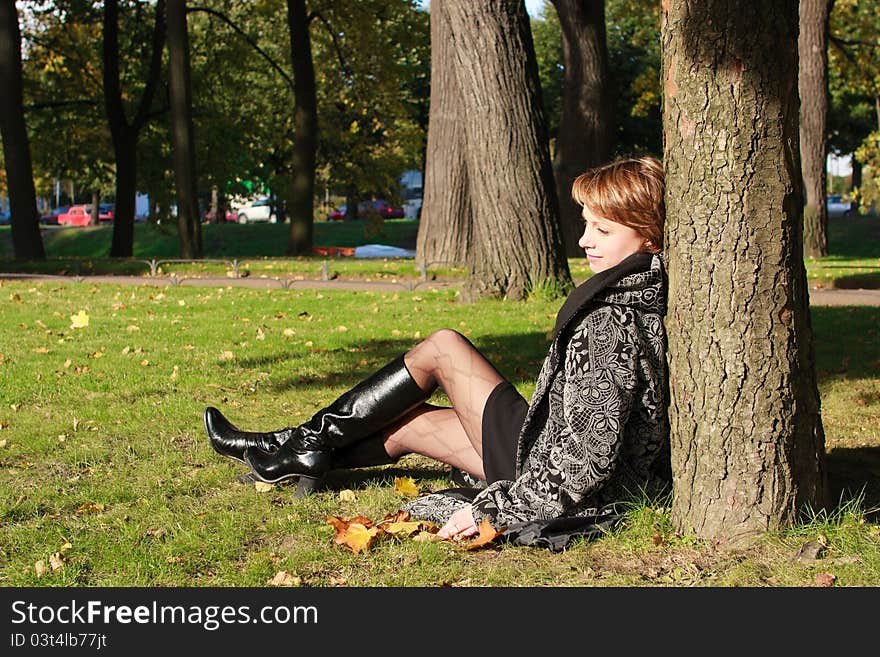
{"x": 487, "y": 534}
{"x": 406, "y": 486}
{"x": 357, "y": 537}
{"x": 825, "y": 579}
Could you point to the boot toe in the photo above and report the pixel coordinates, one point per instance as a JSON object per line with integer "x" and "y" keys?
{"x": 215, "y": 423}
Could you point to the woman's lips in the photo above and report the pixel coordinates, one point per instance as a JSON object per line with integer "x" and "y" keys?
{"x": 592, "y": 257}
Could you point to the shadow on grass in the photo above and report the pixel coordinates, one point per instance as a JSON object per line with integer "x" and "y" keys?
{"x": 870, "y": 281}
{"x": 855, "y": 472}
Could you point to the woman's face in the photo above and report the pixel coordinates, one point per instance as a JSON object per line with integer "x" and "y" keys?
{"x": 607, "y": 243}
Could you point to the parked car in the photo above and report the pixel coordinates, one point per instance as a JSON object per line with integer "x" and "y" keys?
{"x": 385, "y": 210}
{"x": 256, "y": 210}
{"x": 4, "y": 218}
{"x": 76, "y": 215}
{"x": 837, "y": 206}
{"x": 230, "y": 215}
{"x": 106, "y": 211}
{"x": 51, "y": 217}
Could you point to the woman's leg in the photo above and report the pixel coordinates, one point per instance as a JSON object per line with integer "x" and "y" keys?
{"x": 437, "y": 433}
{"x": 455, "y": 436}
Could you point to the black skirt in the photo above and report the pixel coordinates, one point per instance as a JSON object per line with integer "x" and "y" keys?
{"x": 503, "y": 418}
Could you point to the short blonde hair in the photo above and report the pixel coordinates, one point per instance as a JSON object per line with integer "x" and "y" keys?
{"x": 630, "y": 192}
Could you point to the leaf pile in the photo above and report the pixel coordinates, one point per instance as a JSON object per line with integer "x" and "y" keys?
{"x": 360, "y": 533}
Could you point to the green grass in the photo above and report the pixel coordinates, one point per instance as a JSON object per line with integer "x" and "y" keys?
{"x": 103, "y": 448}
{"x": 854, "y": 243}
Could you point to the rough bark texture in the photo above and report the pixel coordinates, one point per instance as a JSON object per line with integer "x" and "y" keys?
{"x": 586, "y": 130}
{"x": 446, "y": 223}
{"x": 27, "y": 243}
{"x": 125, "y": 134}
{"x": 747, "y": 438}
{"x": 517, "y": 245}
{"x": 189, "y": 228}
{"x": 813, "y": 87}
{"x": 305, "y": 118}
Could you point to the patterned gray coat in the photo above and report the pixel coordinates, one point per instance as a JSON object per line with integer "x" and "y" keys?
{"x": 596, "y": 431}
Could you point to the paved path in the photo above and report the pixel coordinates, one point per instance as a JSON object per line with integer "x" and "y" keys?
{"x": 817, "y": 297}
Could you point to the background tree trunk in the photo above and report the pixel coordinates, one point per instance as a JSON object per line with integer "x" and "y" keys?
{"x": 747, "y": 438}
{"x": 96, "y": 208}
{"x": 27, "y": 242}
{"x": 189, "y": 226}
{"x": 813, "y": 87}
{"x": 586, "y": 130}
{"x": 446, "y": 223}
{"x": 305, "y": 118}
{"x": 125, "y": 135}
{"x": 517, "y": 246}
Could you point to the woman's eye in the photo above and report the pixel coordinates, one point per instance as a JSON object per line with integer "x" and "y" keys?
{"x": 602, "y": 231}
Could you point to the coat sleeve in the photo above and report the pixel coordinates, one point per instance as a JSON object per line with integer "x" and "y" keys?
{"x": 576, "y": 453}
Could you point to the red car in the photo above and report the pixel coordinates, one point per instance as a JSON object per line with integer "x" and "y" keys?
{"x": 81, "y": 215}
{"x": 385, "y": 210}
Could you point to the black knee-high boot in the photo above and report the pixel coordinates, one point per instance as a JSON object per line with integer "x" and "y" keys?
{"x": 373, "y": 404}
{"x": 228, "y": 440}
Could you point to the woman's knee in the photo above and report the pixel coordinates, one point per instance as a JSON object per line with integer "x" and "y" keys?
{"x": 447, "y": 338}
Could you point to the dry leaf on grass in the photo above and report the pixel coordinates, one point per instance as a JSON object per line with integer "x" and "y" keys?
{"x": 90, "y": 507}
{"x": 56, "y": 561}
{"x": 406, "y": 486}
{"x": 283, "y": 578}
{"x": 825, "y": 579}
{"x": 263, "y": 487}
{"x": 79, "y": 320}
{"x": 347, "y": 495}
{"x": 487, "y": 534}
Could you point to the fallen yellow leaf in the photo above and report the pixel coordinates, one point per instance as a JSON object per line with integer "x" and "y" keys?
{"x": 40, "y": 568}
{"x": 487, "y": 534}
{"x": 56, "y": 561}
{"x": 263, "y": 487}
{"x": 358, "y": 537}
{"x": 347, "y": 495}
{"x": 79, "y": 320}
{"x": 406, "y": 486}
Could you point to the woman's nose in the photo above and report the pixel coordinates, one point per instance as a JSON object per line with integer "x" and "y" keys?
{"x": 586, "y": 240}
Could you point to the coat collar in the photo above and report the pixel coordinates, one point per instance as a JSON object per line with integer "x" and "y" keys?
{"x": 638, "y": 263}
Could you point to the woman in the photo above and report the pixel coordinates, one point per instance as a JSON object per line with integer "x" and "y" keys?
{"x": 596, "y": 429}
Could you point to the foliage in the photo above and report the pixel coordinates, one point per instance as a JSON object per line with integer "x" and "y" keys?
{"x": 854, "y": 87}
{"x": 633, "y": 37}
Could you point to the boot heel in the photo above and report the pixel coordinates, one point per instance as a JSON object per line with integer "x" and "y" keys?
{"x": 306, "y": 486}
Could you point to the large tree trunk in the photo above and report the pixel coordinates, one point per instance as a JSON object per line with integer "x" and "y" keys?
{"x": 586, "y": 130}
{"x": 747, "y": 438}
{"x": 518, "y": 247}
{"x": 813, "y": 87}
{"x": 305, "y": 119}
{"x": 27, "y": 244}
{"x": 446, "y": 223}
{"x": 125, "y": 135}
{"x": 182, "y": 139}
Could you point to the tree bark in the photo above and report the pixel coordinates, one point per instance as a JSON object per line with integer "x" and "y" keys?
{"x": 446, "y": 224}
{"x": 182, "y": 138}
{"x": 305, "y": 118}
{"x": 96, "y": 208}
{"x": 813, "y": 88}
{"x": 586, "y": 130}
{"x": 747, "y": 437}
{"x": 855, "y": 182}
{"x": 517, "y": 245}
{"x": 27, "y": 243}
{"x": 125, "y": 135}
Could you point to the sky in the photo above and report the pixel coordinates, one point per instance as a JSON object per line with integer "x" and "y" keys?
{"x": 532, "y": 6}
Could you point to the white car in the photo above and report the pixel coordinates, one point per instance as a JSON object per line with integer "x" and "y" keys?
{"x": 256, "y": 210}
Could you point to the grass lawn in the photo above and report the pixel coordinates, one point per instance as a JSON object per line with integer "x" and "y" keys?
{"x": 258, "y": 249}
{"x": 107, "y": 478}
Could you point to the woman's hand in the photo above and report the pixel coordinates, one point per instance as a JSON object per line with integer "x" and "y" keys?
{"x": 460, "y": 524}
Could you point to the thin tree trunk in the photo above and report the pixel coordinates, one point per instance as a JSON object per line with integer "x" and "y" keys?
{"x": 125, "y": 135}
{"x": 215, "y": 206}
{"x": 586, "y": 129}
{"x": 813, "y": 88}
{"x": 747, "y": 438}
{"x": 518, "y": 247}
{"x": 305, "y": 118}
{"x": 183, "y": 141}
{"x": 446, "y": 223}
{"x": 855, "y": 182}
{"x": 27, "y": 242}
{"x": 96, "y": 208}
